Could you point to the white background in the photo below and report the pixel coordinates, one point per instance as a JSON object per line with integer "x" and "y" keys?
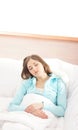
{"x": 48, "y": 17}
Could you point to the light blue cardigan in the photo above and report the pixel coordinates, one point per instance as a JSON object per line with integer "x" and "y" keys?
{"x": 54, "y": 89}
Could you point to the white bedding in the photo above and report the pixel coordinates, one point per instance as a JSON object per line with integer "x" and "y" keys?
{"x": 30, "y": 121}
{"x": 10, "y": 81}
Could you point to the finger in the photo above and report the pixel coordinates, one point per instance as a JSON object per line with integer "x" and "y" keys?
{"x": 43, "y": 114}
{"x": 40, "y": 114}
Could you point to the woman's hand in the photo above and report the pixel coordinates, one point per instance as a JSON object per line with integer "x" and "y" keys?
{"x": 34, "y": 107}
{"x": 40, "y": 114}
{"x": 36, "y": 110}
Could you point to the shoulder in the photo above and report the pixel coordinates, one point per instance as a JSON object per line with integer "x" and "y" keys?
{"x": 57, "y": 79}
{"x": 27, "y": 82}
{"x": 58, "y": 84}
{"x": 53, "y": 80}
{"x": 54, "y": 77}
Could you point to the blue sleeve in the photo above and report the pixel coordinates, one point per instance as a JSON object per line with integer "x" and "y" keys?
{"x": 15, "y": 105}
{"x": 59, "y": 108}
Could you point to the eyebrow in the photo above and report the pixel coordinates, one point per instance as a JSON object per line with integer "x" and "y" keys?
{"x": 33, "y": 63}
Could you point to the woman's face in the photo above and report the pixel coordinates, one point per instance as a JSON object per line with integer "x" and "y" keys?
{"x": 35, "y": 68}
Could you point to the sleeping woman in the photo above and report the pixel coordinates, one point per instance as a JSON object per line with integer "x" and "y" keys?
{"x": 39, "y": 79}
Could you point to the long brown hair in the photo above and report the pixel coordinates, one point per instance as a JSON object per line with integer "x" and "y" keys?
{"x": 25, "y": 72}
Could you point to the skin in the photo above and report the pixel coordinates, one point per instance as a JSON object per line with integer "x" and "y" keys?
{"x": 37, "y": 70}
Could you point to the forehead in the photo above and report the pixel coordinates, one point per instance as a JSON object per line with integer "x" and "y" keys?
{"x": 31, "y": 61}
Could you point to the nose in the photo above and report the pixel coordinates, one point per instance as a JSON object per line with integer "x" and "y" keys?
{"x": 34, "y": 69}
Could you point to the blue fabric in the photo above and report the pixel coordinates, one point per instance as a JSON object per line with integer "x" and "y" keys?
{"x": 54, "y": 89}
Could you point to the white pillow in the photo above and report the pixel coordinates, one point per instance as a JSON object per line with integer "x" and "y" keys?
{"x": 4, "y": 102}
{"x": 10, "y": 76}
{"x": 56, "y": 67}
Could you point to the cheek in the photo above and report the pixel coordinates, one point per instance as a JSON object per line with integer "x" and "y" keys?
{"x": 31, "y": 72}
{"x": 41, "y": 68}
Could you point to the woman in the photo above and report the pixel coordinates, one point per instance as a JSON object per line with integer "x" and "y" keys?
{"x": 39, "y": 79}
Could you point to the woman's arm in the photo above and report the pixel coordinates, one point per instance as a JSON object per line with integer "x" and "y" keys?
{"x": 59, "y": 108}
{"x": 15, "y": 105}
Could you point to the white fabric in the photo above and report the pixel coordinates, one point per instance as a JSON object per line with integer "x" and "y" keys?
{"x": 4, "y": 102}
{"x": 71, "y": 115}
{"x": 29, "y": 119}
{"x": 10, "y": 78}
{"x": 15, "y": 126}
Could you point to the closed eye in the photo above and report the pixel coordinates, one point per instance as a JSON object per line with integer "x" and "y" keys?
{"x": 30, "y": 68}
{"x": 36, "y": 64}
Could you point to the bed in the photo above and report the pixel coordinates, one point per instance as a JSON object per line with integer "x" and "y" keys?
{"x": 60, "y": 55}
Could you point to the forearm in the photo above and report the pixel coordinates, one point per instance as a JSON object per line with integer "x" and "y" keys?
{"x": 56, "y": 110}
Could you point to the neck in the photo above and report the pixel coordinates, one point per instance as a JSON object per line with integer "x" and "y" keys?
{"x": 43, "y": 77}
